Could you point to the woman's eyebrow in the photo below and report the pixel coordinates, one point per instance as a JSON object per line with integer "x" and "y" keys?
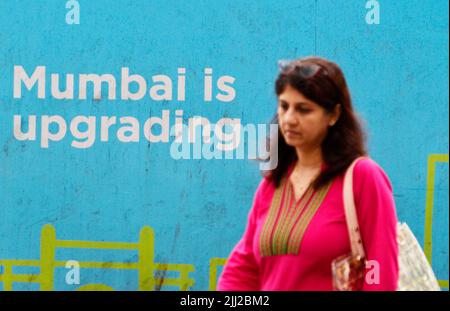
{"x": 295, "y": 104}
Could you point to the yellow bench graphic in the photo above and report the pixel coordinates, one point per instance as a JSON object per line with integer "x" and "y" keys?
{"x": 145, "y": 265}
{"x": 213, "y": 264}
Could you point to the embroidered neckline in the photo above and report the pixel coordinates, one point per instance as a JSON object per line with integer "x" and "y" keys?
{"x": 288, "y": 220}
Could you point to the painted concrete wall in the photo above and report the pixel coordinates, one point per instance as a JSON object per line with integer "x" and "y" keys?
{"x": 188, "y": 213}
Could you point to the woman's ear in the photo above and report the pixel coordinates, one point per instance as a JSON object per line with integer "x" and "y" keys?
{"x": 336, "y": 114}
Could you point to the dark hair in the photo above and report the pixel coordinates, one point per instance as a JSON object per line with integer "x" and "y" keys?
{"x": 345, "y": 141}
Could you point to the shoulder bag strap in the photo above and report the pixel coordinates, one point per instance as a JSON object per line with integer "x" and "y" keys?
{"x": 350, "y": 212}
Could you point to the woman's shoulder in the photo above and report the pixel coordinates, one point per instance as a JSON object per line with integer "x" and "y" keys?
{"x": 368, "y": 170}
{"x": 373, "y": 193}
{"x": 265, "y": 186}
{"x": 264, "y": 190}
{"x": 261, "y": 195}
{"x": 367, "y": 164}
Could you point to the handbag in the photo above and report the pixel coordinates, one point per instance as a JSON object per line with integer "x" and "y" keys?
{"x": 348, "y": 271}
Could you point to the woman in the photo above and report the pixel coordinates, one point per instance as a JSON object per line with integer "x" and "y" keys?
{"x": 296, "y": 226}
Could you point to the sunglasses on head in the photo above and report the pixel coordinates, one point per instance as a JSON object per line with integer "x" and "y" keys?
{"x": 303, "y": 69}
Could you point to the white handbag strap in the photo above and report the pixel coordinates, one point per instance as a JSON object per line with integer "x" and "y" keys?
{"x": 350, "y": 212}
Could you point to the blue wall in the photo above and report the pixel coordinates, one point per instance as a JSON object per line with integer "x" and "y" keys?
{"x": 397, "y": 72}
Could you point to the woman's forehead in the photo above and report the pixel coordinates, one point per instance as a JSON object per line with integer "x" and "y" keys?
{"x": 293, "y": 96}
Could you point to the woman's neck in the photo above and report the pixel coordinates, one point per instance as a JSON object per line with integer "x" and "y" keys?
{"x": 309, "y": 159}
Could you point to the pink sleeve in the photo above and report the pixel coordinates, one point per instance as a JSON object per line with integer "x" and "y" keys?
{"x": 241, "y": 272}
{"x": 378, "y": 224}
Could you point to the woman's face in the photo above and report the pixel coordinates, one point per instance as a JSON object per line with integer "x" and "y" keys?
{"x": 303, "y": 123}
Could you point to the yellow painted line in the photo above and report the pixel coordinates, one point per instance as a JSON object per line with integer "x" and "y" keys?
{"x": 25, "y": 278}
{"x": 102, "y": 265}
{"x": 7, "y": 278}
{"x": 431, "y": 168}
{"x": 443, "y": 283}
{"x": 97, "y": 245}
{"x": 47, "y": 257}
{"x": 98, "y": 264}
{"x": 146, "y": 258}
{"x": 174, "y": 267}
{"x": 213, "y": 263}
{"x": 173, "y": 282}
{"x": 20, "y": 262}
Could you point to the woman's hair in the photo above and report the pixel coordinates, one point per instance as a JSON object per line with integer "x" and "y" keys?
{"x": 325, "y": 85}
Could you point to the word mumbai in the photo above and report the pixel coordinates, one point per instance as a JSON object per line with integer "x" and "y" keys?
{"x": 161, "y": 85}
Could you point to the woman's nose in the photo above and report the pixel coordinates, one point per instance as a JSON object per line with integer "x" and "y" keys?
{"x": 289, "y": 117}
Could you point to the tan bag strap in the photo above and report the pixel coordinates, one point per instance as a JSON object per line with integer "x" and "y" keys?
{"x": 350, "y": 212}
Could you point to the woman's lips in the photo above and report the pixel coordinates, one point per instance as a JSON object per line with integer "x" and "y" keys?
{"x": 291, "y": 133}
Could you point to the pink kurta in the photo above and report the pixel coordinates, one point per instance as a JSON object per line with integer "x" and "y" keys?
{"x": 324, "y": 239}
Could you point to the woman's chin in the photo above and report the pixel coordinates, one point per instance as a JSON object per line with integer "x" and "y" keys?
{"x": 293, "y": 142}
